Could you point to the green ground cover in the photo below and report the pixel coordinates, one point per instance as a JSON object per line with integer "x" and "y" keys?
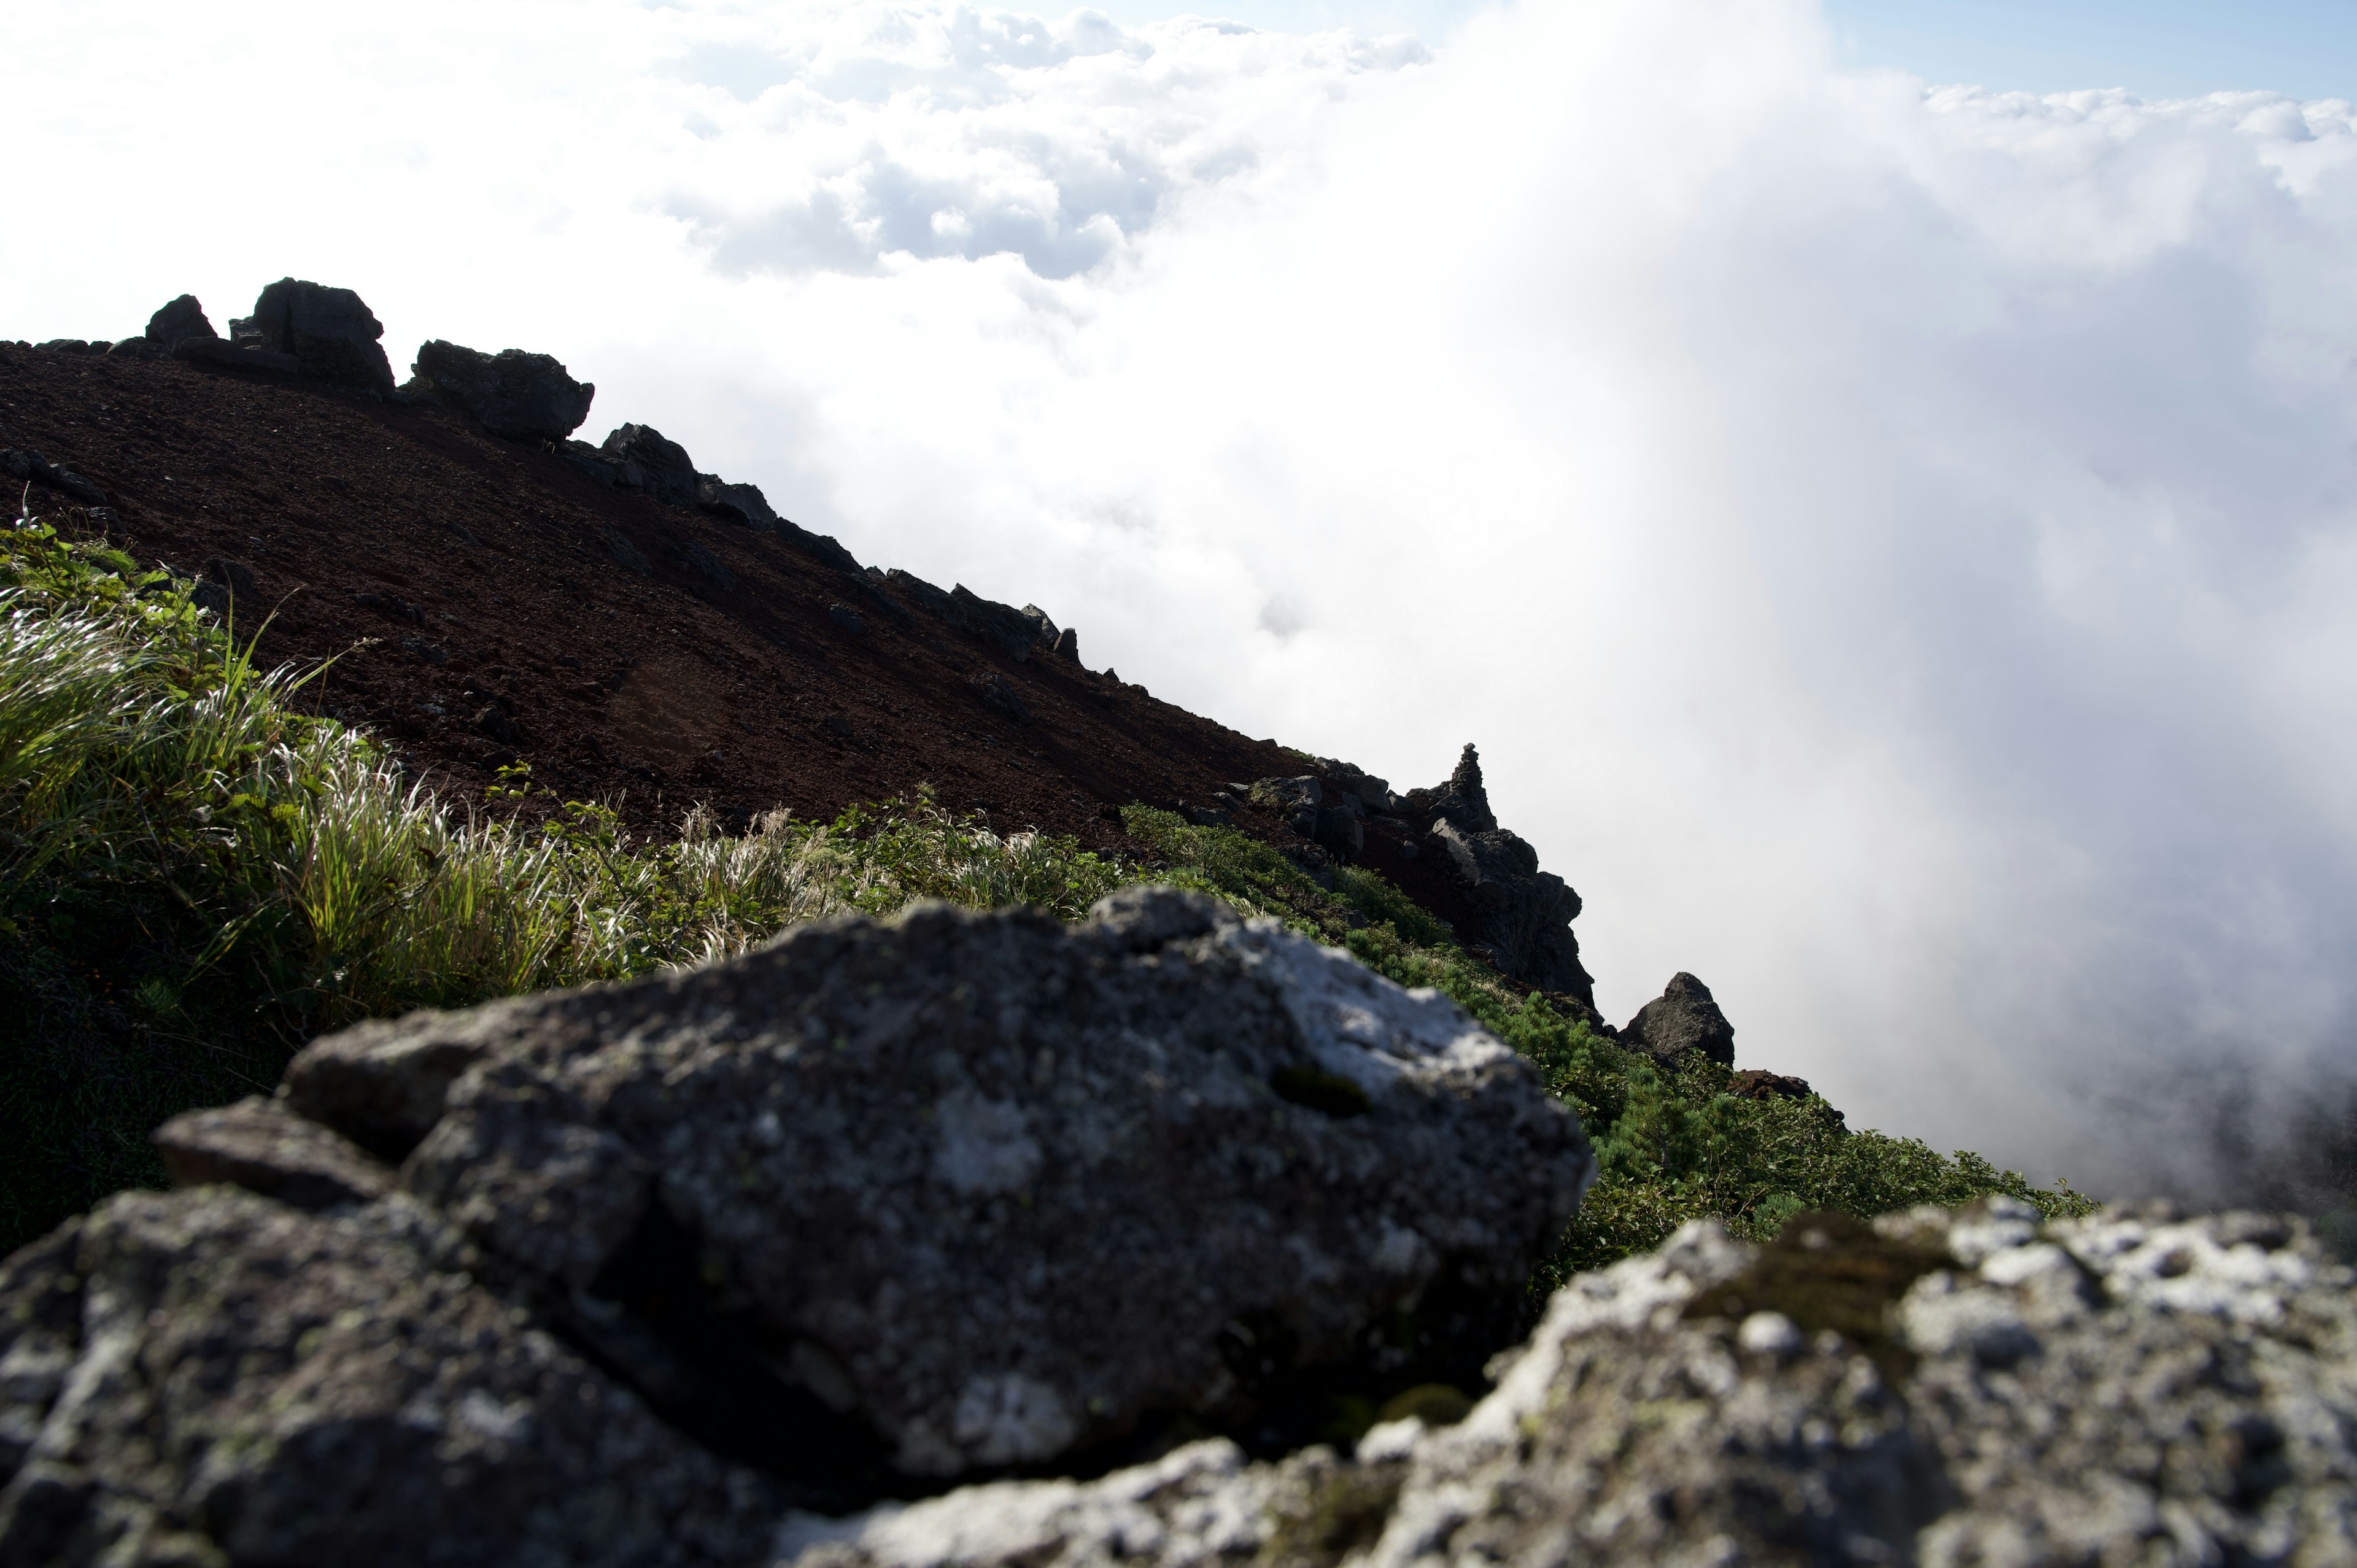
{"x": 195, "y": 877}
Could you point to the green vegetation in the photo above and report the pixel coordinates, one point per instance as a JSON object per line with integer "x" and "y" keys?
{"x": 195, "y": 879}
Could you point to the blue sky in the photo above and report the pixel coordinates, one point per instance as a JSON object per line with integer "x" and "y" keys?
{"x": 2155, "y": 48}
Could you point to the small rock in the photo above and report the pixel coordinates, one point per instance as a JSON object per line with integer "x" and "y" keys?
{"x": 261, "y": 1145}
{"x": 513, "y": 394}
{"x": 844, "y": 617}
{"x": 178, "y": 321}
{"x": 836, "y": 724}
{"x": 739, "y": 503}
{"x": 1684, "y": 1019}
{"x": 646, "y": 461}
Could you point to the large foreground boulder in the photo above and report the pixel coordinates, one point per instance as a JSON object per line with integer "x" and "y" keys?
{"x": 328, "y": 331}
{"x": 175, "y": 323}
{"x": 209, "y": 1377}
{"x": 1938, "y": 1388}
{"x": 513, "y": 394}
{"x": 991, "y": 1188}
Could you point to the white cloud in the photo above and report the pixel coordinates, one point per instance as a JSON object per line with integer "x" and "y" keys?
{"x": 1892, "y": 545}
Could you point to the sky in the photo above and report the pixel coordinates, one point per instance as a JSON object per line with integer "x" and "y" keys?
{"x": 1876, "y": 483}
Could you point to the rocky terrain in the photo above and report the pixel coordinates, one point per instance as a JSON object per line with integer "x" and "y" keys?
{"x": 972, "y": 1239}
{"x": 1196, "y": 1233}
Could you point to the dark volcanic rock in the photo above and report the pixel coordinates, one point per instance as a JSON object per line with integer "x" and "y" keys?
{"x": 1462, "y": 800}
{"x": 1682, "y": 1018}
{"x": 738, "y": 503}
{"x": 644, "y": 460}
{"x": 183, "y": 318}
{"x": 513, "y": 394}
{"x": 1526, "y": 913}
{"x": 1939, "y": 1389}
{"x": 209, "y": 1377}
{"x": 997, "y": 695}
{"x": 331, "y": 333}
{"x": 1522, "y": 916}
{"x": 997, "y": 1187}
{"x": 1012, "y": 631}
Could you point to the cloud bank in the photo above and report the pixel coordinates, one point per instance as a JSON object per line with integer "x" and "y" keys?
{"x": 1892, "y": 543}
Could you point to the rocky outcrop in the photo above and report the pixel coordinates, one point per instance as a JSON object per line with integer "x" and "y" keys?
{"x": 643, "y": 459}
{"x": 329, "y": 332}
{"x": 1684, "y": 1017}
{"x": 176, "y": 323}
{"x": 1461, "y": 800}
{"x": 1941, "y": 1389}
{"x": 608, "y": 1275}
{"x": 1520, "y": 916}
{"x": 36, "y": 467}
{"x": 739, "y": 503}
{"x": 515, "y": 396}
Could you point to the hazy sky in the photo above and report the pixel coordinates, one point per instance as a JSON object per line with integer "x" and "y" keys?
{"x": 1892, "y": 540}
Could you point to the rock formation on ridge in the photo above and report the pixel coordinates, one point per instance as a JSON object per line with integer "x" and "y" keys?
{"x": 1684, "y": 1017}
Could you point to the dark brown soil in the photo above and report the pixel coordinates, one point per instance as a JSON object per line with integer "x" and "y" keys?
{"x": 465, "y": 583}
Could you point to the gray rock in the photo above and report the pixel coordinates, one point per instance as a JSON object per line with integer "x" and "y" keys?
{"x": 235, "y": 356}
{"x": 926, "y": 596}
{"x": 644, "y": 460}
{"x": 178, "y": 321}
{"x": 513, "y": 394}
{"x": 329, "y": 332}
{"x": 998, "y": 1188}
{"x": 134, "y": 349}
{"x": 261, "y": 1145}
{"x": 209, "y": 1376}
{"x": 1684, "y": 1017}
{"x": 1067, "y": 646}
{"x": 738, "y": 503}
{"x": 845, "y": 617}
{"x": 1938, "y": 1388}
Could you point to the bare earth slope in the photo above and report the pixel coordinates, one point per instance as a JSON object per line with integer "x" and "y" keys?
{"x": 488, "y": 604}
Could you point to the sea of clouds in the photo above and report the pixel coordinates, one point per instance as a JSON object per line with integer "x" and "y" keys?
{"x": 1895, "y": 544}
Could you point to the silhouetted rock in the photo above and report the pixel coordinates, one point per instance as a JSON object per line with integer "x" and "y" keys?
{"x": 1067, "y": 646}
{"x": 1682, "y": 1018}
{"x": 1461, "y": 800}
{"x": 1526, "y": 913}
{"x": 738, "y": 503}
{"x": 329, "y": 332}
{"x": 178, "y": 321}
{"x": 1012, "y": 631}
{"x": 1938, "y": 1388}
{"x": 644, "y": 460}
{"x": 513, "y": 394}
{"x": 997, "y": 1187}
